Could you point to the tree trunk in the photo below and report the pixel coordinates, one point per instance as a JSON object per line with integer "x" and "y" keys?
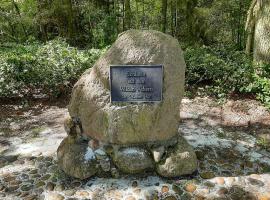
{"x": 164, "y": 16}
{"x": 250, "y": 38}
{"x": 173, "y": 8}
{"x": 262, "y": 34}
{"x": 70, "y": 18}
{"x": 137, "y": 15}
{"x": 127, "y": 24}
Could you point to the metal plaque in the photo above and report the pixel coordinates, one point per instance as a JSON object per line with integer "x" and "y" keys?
{"x": 136, "y": 83}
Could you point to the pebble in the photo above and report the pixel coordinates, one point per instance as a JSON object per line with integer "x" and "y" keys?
{"x": 220, "y": 181}
{"x": 170, "y": 197}
{"x": 254, "y": 181}
{"x": 26, "y": 187}
{"x": 137, "y": 191}
{"x": 82, "y": 194}
{"x": 24, "y": 176}
{"x": 15, "y": 182}
{"x": 190, "y": 187}
{"x": 31, "y": 197}
{"x": 2, "y": 195}
{"x": 34, "y": 171}
{"x": 50, "y": 186}
{"x": 55, "y": 196}
{"x": 130, "y": 198}
{"x": 264, "y": 196}
{"x": 17, "y": 193}
{"x": 207, "y": 175}
{"x": 24, "y": 194}
{"x": 69, "y": 192}
{"x": 134, "y": 184}
{"x": 46, "y": 177}
{"x": 12, "y": 188}
{"x": 39, "y": 184}
{"x": 59, "y": 187}
{"x": 164, "y": 189}
{"x": 76, "y": 184}
{"x": 209, "y": 184}
{"x": 9, "y": 178}
{"x": 222, "y": 191}
{"x": 230, "y": 180}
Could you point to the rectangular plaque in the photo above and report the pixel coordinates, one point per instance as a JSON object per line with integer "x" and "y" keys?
{"x": 136, "y": 83}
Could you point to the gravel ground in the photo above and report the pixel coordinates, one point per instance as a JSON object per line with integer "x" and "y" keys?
{"x": 231, "y": 142}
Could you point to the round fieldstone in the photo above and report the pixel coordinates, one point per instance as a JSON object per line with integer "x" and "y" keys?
{"x": 76, "y": 158}
{"x": 131, "y": 123}
{"x": 180, "y": 161}
{"x": 133, "y": 160}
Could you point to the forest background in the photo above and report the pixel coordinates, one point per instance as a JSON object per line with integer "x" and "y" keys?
{"x": 45, "y": 45}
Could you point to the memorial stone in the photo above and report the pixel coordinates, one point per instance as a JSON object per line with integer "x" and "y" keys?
{"x": 124, "y": 111}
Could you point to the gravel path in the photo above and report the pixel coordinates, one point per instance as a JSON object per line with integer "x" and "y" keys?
{"x": 231, "y": 143}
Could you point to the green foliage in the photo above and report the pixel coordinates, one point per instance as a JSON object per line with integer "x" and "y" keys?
{"x": 221, "y": 69}
{"x": 263, "y": 143}
{"x": 261, "y": 84}
{"x": 50, "y": 69}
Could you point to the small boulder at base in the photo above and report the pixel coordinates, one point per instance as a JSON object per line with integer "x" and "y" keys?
{"x": 180, "y": 161}
{"x": 126, "y": 123}
{"x": 76, "y": 158}
{"x": 133, "y": 160}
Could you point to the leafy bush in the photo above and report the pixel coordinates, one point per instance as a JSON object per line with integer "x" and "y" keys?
{"x": 50, "y": 69}
{"x": 221, "y": 70}
{"x": 261, "y": 84}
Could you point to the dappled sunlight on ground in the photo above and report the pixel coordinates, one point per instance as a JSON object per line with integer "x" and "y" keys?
{"x": 231, "y": 163}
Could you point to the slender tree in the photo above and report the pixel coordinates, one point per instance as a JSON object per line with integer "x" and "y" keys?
{"x": 127, "y": 15}
{"x": 258, "y": 27}
{"x": 164, "y": 15}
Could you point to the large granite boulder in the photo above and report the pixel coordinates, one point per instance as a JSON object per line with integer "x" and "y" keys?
{"x": 127, "y": 123}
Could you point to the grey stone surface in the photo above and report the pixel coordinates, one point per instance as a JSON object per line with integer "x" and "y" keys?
{"x": 125, "y": 123}
{"x": 181, "y": 160}
{"x": 76, "y": 159}
{"x": 133, "y": 160}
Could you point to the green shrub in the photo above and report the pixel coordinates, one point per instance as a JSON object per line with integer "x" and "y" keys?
{"x": 50, "y": 69}
{"x": 221, "y": 70}
{"x": 261, "y": 84}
